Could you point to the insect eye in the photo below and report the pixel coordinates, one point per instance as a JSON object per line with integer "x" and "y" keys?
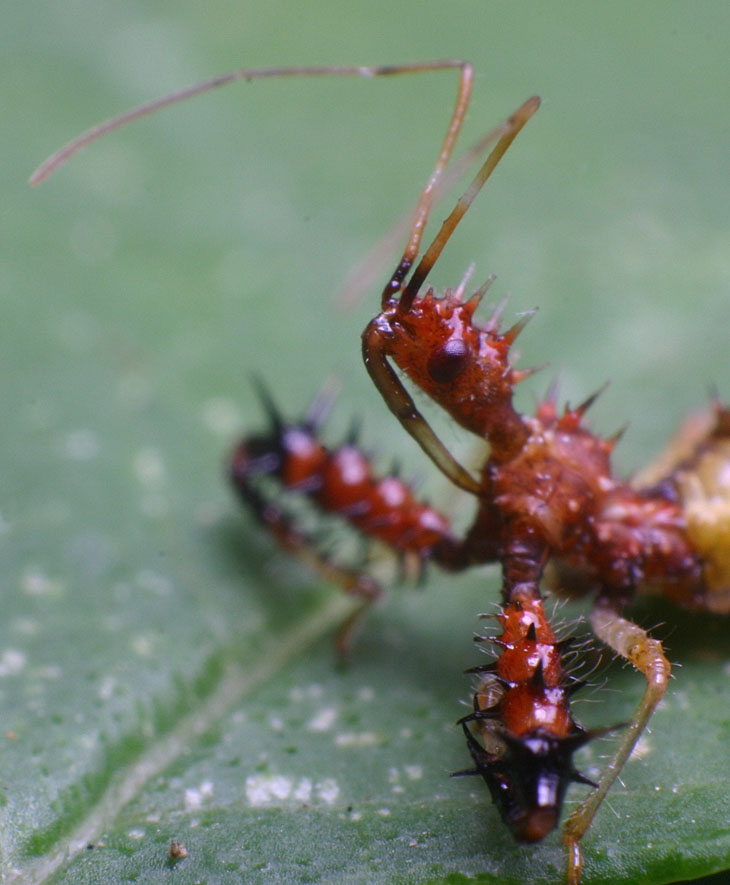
{"x": 448, "y": 361}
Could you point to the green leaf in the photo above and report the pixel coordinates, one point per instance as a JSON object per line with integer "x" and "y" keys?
{"x": 165, "y": 672}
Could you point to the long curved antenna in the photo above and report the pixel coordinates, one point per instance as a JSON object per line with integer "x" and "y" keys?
{"x": 367, "y": 270}
{"x": 377, "y": 337}
{"x": 511, "y": 129}
{"x": 49, "y": 166}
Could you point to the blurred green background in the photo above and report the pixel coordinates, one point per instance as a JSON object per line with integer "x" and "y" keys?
{"x": 164, "y": 671}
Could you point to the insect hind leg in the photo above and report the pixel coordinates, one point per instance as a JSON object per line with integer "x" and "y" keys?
{"x": 265, "y": 455}
{"x": 647, "y": 656}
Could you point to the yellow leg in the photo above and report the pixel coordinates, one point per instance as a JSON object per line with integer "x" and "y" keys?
{"x": 647, "y": 655}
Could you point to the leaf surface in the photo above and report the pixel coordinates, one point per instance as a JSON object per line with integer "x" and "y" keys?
{"x": 165, "y": 673}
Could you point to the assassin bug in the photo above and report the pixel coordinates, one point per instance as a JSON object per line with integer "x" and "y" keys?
{"x": 546, "y": 498}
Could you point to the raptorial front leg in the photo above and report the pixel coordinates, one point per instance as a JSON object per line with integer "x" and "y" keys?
{"x": 401, "y": 404}
{"x": 647, "y": 655}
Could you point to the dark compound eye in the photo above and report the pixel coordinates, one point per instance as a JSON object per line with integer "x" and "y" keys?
{"x": 448, "y": 361}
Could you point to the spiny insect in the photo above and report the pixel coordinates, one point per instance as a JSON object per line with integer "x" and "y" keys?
{"x": 546, "y": 498}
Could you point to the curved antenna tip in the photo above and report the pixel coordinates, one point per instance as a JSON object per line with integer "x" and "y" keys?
{"x": 527, "y": 109}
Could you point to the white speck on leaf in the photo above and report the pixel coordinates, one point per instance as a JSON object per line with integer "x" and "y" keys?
{"x": 357, "y": 739}
{"x": 193, "y": 799}
{"x": 303, "y": 790}
{"x": 264, "y": 789}
{"x": 195, "y": 796}
{"x": 328, "y": 791}
{"x": 12, "y": 662}
{"x": 274, "y": 789}
{"x": 36, "y": 583}
{"x": 323, "y": 720}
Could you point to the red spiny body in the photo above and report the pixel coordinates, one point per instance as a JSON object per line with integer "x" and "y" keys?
{"x": 460, "y": 365}
{"x": 547, "y": 489}
{"x": 561, "y": 491}
{"x": 340, "y": 482}
{"x": 545, "y": 496}
{"x": 526, "y": 733}
{"x": 529, "y": 648}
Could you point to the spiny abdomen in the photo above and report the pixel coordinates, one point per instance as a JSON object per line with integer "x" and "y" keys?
{"x": 340, "y": 482}
{"x": 521, "y": 734}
